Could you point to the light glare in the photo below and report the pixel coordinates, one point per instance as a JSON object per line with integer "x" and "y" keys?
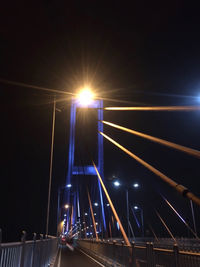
{"x": 116, "y": 183}
{"x": 85, "y": 97}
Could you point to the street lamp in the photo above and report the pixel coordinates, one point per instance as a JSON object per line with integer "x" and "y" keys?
{"x": 96, "y": 204}
{"x": 135, "y": 185}
{"x": 85, "y": 97}
{"x": 116, "y": 183}
{"x": 66, "y": 206}
{"x": 142, "y": 217}
{"x": 68, "y": 185}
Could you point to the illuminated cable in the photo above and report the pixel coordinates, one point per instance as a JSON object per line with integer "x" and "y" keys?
{"x": 167, "y": 228}
{"x": 170, "y": 205}
{"x": 180, "y": 188}
{"x": 159, "y": 108}
{"x": 95, "y": 229}
{"x": 112, "y": 207}
{"x": 187, "y": 150}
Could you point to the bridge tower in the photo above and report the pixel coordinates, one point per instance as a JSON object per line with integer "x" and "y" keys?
{"x": 89, "y": 169}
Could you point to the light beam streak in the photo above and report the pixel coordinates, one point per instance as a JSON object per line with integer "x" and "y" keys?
{"x": 35, "y": 87}
{"x": 181, "y": 148}
{"x": 159, "y": 108}
{"x": 112, "y": 207}
{"x": 180, "y": 188}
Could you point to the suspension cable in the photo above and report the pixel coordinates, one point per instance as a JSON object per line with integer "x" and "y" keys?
{"x": 176, "y": 212}
{"x": 93, "y": 220}
{"x": 180, "y": 188}
{"x": 159, "y": 108}
{"x": 185, "y": 149}
{"x": 112, "y": 207}
{"x": 167, "y": 228}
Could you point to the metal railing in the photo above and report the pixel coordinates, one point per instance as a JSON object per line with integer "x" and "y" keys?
{"x": 35, "y": 253}
{"x": 140, "y": 255}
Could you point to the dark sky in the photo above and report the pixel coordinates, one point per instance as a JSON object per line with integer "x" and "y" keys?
{"x": 147, "y": 53}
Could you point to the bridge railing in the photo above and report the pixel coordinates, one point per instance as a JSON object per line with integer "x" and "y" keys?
{"x": 139, "y": 255}
{"x": 35, "y": 253}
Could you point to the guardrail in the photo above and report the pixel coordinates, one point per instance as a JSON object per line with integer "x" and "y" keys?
{"x": 143, "y": 256}
{"x": 35, "y": 253}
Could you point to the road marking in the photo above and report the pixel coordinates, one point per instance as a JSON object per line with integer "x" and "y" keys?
{"x": 59, "y": 258}
{"x": 92, "y": 258}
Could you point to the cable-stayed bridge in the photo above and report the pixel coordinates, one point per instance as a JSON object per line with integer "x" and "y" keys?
{"x": 104, "y": 230}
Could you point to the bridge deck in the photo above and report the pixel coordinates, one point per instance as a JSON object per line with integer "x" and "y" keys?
{"x": 75, "y": 258}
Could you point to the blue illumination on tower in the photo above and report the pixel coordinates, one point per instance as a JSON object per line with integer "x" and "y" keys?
{"x": 87, "y": 170}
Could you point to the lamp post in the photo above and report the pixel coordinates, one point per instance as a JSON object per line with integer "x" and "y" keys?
{"x": 142, "y": 217}
{"x": 58, "y": 203}
{"x": 51, "y": 165}
{"x": 135, "y": 185}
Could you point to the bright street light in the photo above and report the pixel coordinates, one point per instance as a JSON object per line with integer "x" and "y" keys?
{"x": 85, "y": 97}
{"x": 107, "y": 204}
{"x": 86, "y": 214}
{"x": 96, "y": 204}
{"x": 136, "y": 207}
{"x": 116, "y": 183}
{"x": 66, "y": 206}
{"x": 68, "y": 185}
{"x": 136, "y": 185}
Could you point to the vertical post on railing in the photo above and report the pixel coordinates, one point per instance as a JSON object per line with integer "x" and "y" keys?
{"x": 23, "y": 240}
{"x": 0, "y": 244}
{"x": 41, "y": 250}
{"x": 151, "y": 258}
{"x": 122, "y": 251}
{"x": 114, "y": 251}
{"x": 176, "y": 255}
{"x": 133, "y": 254}
{"x": 33, "y": 250}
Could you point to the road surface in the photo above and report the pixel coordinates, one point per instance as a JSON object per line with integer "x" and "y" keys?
{"x": 76, "y": 258}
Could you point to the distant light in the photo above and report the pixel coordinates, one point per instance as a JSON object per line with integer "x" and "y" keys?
{"x": 107, "y": 204}
{"x": 91, "y": 225}
{"x": 87, "y": 233}
{"x": 95, "y": 214}
{"x": 86, "y": 214}
{"x": 136, "y": 185}
{"x": 68, "y": 185}
{"x": 96, "y": 204}
{"x": 87, "y": 227}
{"x": 66, "y": 206}
{"x": 96, "y": 223}
{"x": 65, "y": 215}
{"x": 116, "y": 183}
{"x": 85, "y": 97}
{"x": 136, "y": 207}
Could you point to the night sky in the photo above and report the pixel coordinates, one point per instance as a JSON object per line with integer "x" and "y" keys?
{"x": 143, "y": 53}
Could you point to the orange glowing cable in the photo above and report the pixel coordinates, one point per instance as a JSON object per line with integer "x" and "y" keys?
{"x": 180, "y": 188}
{"x": 159, "y": 108}
{"x": 112, "y": 207}
{"x": 187, "y": 150}
{"x": 93, "y": 220}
